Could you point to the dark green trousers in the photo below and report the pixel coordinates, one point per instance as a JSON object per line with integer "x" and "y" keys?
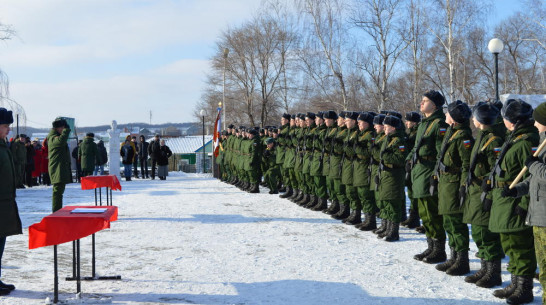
{"x": 271, "y": 177}
{"x": 457, "y": 232}
{"x": 309, "y": 183}
{"x": 432, "y": 221}
{"x": 391, "y": 210}
{"x": 540, "y": 250}
{"x": 488, "y": 243}
{"x": 352, "y": 197}
{"x": 320, "y": 187}
{"x": 339, "y": 189}
{"x": 520, "y": 247}
{"x": 57, "y": 196}
{"x": 367, "y": 199}
{"x": 330, "y": 188}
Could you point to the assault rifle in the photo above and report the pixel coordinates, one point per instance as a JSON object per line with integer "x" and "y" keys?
{"x": 440, "y": 166}
{"x": 471, "y": 169}
{"x": 415, "y": 156}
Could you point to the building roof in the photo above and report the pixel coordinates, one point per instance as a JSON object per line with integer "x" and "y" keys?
{"x": 187, "y": 145}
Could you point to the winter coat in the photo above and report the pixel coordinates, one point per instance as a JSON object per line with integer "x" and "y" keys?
{"x": 503, "y": 219}
{"x": 102, "y": 153}
{"x": 45, "y": 157}
{"x": 337, "y": 152}
{"x": 290, "y": 147}
{"x": 432, "y": 130}
{"x": 349, "y": 152}
{"x": 361, "y": 164}
{"x": 59, "y": 157}
{"x": 88, "y": 153}
{"x": 282, "y": 145}
{"x": 535, "y": 186}
{"x": 127, "y": 152}
{"x": 375, "y": 151}
{"x": 142, "y": 149}
{"x": 318, "y": 145}
{"x": 391, "y": 170}
{"x": 328, "y": 146}
{"x": 456, "y": 159}
{"x": 308, "y": 148}
{"x": 38, "y": 160}
{"x": 153, "y": 149}
{"x": 19, "y": 152}
{"x": 163, "y": 155}
{"x": 10, "y": 223}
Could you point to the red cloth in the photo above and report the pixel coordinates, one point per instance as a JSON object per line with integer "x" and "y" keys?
{"x": 93, "y": 182}
{"x": 63, "y": 226}
{"x": 38, "y": 159}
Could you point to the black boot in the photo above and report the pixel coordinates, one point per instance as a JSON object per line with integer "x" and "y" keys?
{"x": 312, "y": 202}
{"x": 447, "y": 264}
{"x": 343, "y": 212}
{"x": 524, "y": 291}
{"x": 254, "y": 188}
{"x": 235, "y": 181}
{"x": 420, "y": 229}
{"x": 354, "y": 218}
{"x": 4, "y": 291}
{"x": 282, "y": 188}
{"x": 425, "y": 253}
{"x": 321, "y": 205}
{"x": 388, "y": 226}
{"x": 305, "y": 200}
{"x": 295, "y": 194}
{"x": 461, "y": 265}
{"x": 381, "y": 228}
{"x": 10, "y": 287}
{"x": 333, "y": 208}
{"x": 299, "y": 197}
{"x": 289, "y": 192}
{"x": 273, "y": 192}
{"x": 413, "y": 220}
{"x": 438, "y": 254}
{"x": 403, "y": 216}
{"x": 508, "y": 290}
{"x": 393, "y": 235}
{"x": 478, "y": 275}
{"x": 492, "y": 276}
{"x": 369, "y": 223}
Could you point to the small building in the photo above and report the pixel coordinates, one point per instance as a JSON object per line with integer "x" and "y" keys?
{"x": 188, "y": 153}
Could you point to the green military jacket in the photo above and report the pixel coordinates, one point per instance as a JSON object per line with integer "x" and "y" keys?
{"x": 349, "y": 155}
{"x": 456, "y": 159}
{"x": 482, "y": 159}
{"x": 59, "y": 157}
{"x": 253, "y": 153}
{"x": 10, "y": 223}
{"x": 308, "y": 136}
{"x": 411, "y": 134}
{"x": 238, "y": 149}
{"x": 290, "y": 153}
{"x": 227, "y": 152}
{"x": 328, "y": 143}
{"x": 374, "y": 152}
{"x": 297, "y": 141}
{"x": 337, "y": 152}
{"x": 270, "y": 159}
{"x": 502, "y": 218}
{"x": 391, "y": 170}
{"x": 19, "y": 152}
{"x": 317, "y": 162}
{"x": 432, "y": 130}
{"x": 361, "y": 164}
{"x": 282, "y": 143}
{"x": 89, "y": 155}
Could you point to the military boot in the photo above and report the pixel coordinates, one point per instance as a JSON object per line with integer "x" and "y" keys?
{"x": 343, "y": 212}
{"x": 254, "y": 188}
{"x": 234, "y": 180}
{"x": 461, "y": 265}
{"x": 413, "y": 220}
{"x": 354, "y": 218}
{"x": 393, "y": 235}
{"x": 508, "y": 290}
{"x": 322, "y": 205}
{"x": 381, "y": 228}
{"x": 9, "y": 287}
{"x": 438, "y": 254}
{"x": 312, "y": 202}
{"x": 333, "y": 209}
{"x": 369, "y": 223}
{"x": 289, "y": 192}
{"x": 425, "y": 253}
{"x": 305, "y": 200}
{"x": 473, "y": 278}
{"x": 447, "y": 264}
{"x": 524, "y": 291}
{"x": 420, "y": 229}
{"x": 492, "y": 276}
{"x": 388, "y": 225}
{"x": 299, "y": 197}
{"x": 295, "y": 193}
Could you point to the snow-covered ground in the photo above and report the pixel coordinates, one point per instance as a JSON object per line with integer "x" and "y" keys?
{"x": 194, "y": 240}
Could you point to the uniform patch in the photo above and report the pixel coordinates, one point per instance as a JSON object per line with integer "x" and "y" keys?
{"x": 402, "y": 148}
{"x": 373, "y": 140}
{"x": 442, "y": 131}
{"x": 467, "y": 144}
{"x": 497, "y": 150}
{"x": 534, "y": 150}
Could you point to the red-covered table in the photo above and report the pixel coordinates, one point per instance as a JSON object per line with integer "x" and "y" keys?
{"x": 65, "y": 225}
{"x": 110, "y": 182}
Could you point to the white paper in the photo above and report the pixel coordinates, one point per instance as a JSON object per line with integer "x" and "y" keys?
{"x": 88, "y": 210}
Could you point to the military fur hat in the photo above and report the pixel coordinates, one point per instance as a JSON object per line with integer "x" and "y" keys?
{"x": 459, "y": 111}
{"x": 342, "y": 114}
{"x": 413, "y": 116}
{"x": 253, "y": 132}
{"x": 301, "y": 116}
{"x": 59, "y": 122}
{"x": 230, "y": 126}
{"x": 372, "y": 113}
{"x": 92, "y": 135}
{"x": 269, "y": 141}
{"x": 366, "y": 117}
{"x": 353, "y": 115}
{"x": 517, "y": 111}
{"x": 224, "y": 132}
{"x": 393, "y": 121}
{"x": 485, "y": 113}
{"x": 330, "y": 114}
{"x": 293, "y": 117}
{"x": 378, "y": 119}
{"x": 540, "y": 114}
{"x": 320, "y": 114}
{"x": 23, "y": 136}
{"x": 436, "y": 97}
{"x": 310, "y": 115}
{"x": 392, "y": 112}
{"x": 286, "y": 116}
{"x": 6, "y": 116}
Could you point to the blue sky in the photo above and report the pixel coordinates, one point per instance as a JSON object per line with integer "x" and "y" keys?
{"x": 105, "y": 60}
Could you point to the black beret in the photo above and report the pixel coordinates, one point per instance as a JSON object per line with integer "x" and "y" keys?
{"x": 517, "y": 111}
{"x": 436, "y": 97}
{"x": 378, "y": 119}
{"x": 286, "y": 116}
{"x": 230, "y": 126}
{"x": 310, "y": 115}
{"x": 393, "y": 121}
{"x": 342, "y": 114}
{"x": 90, "y": 134}
{"x": 366, "y": 117}
{"x": 320, "y": 114}
{"x": 485, "y": 113}
{"x": 330, "y": 114}
{"x": 413, "y": 116}
{"x": 6, "y": 116}
{"x": 59, "y": 122}
{"x": 353, "y": 115}
{"x": 459, "y": 111}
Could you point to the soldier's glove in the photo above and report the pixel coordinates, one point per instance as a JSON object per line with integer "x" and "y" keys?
{"x": 519, "y": 211}
{"x": 487, "y": 203}
{"x": 462, "y": 191}
{"x": 486, "y": 187}
{"x": 267, "y": 153}
{"x": 508, "y": 192}
{"x": 376, "y": 179}
{"x": 530, "y": 160}
{"x": 408, "y": 166}
{"x": 433, "y": 185}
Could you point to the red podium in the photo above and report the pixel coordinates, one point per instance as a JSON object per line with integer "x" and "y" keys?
{"x": 71, "y": 223}
{"x": 110, "y": 182}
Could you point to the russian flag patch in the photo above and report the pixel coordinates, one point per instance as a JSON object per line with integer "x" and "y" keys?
{"x": 467, "y": 143}
{"x": 496, "y": 150}
{"x": 442, "y": 131}
{"x": 534, "y": 149}
{"x": 402, "y": 148}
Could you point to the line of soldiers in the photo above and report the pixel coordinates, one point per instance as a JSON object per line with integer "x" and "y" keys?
{"x": 362, "y": 162}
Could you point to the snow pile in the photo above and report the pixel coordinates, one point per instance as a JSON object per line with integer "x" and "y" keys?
{"x": 194, "y": 240}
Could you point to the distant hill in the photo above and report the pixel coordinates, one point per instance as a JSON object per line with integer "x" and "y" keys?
{"x": 101, "y": 128}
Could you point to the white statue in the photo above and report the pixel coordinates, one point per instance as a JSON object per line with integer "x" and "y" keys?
{"x": 113, "y": 150}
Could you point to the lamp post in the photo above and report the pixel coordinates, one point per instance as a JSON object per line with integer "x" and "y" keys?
{"x": 226, "y": 52}
{"x": 203, "y": 117}
{"x": 495, "y": 46}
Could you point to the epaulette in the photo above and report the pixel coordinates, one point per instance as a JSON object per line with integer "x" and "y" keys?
{"x": 431, "y": 126}
{"x": 491, "y": 139}
{"x": 520, "y": 137}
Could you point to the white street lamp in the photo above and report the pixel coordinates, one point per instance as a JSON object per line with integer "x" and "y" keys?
{"x": 202, "y": 112}
{"x": 226, "y": 52}
{"x": 495, "y": 46}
